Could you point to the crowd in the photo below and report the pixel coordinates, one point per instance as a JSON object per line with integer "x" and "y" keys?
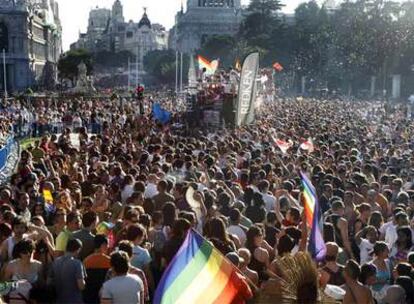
{"x": 100, "y": 221}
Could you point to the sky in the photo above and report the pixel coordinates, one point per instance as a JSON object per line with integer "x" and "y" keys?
{"x": 74, "y": 13}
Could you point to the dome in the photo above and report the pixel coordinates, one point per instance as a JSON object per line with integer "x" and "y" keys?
{"x": 144, "y": 20}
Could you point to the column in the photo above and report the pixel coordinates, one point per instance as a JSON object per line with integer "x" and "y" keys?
{"x": 303, "y": 85}
{"x": 372, "y": 89}
{"x": 396, "y": 86}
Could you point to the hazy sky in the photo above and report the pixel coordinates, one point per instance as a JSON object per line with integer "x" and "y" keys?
{"x": 74, "y": 13}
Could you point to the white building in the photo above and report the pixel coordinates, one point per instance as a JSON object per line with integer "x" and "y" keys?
{"x": 31, "y": 36}
{"x": 108, "y": 31}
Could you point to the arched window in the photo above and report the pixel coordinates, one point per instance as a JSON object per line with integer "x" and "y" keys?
{"x": 4, "y": 37}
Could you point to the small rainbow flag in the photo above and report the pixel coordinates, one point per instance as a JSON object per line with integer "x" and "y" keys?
{"x": 316, "y": 246}
{"x": 210, "y": 67}
{"x": 200, "y": 274}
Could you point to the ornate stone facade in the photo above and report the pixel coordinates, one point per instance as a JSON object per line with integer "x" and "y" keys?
{"x": 31, "y": 35}
{"x": 107, "y": 31}
{"x": 204, "y": 18}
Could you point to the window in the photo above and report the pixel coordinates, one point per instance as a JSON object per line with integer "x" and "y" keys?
{"x": 129, "y": 34}
{"x": 4, "y": 37}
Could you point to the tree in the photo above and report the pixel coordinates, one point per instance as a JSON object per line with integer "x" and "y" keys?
{"x": 69, "y": 61}
{"x": 161, "y": 65}
{"x": 221, "y": 47}
{"x": 108, "y": 59}
{"x": 261, "y": 28}
{"x": 312, "y": 36}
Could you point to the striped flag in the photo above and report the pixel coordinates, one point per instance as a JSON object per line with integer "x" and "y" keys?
{"x": 316, "y": 246}
{"x": 204, "y": 63}
{"x": 200, "y": 274}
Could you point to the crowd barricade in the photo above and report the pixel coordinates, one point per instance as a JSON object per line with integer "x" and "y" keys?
{"x": 39, "y": 130}
{"x": 5, "y": 152}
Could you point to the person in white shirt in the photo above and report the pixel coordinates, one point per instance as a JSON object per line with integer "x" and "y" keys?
{"x": 268, "y": 198}
{"x": 123, "y": 287}
{"x": 366, "y": 239}
{"x": 235, "y": 228}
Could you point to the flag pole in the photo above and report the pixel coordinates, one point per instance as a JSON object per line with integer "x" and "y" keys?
{"x": 181, "y": 73}
{"x": 4, "y": 74}
{"x": 176, "y": 55}
{"x": 129, "y": 74}
{"x": 136, "y": 68}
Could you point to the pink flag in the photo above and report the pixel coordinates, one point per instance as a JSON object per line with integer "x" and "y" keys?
{"x": 308, "y": 145}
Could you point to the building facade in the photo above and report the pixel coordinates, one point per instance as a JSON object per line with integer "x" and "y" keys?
{"x": 204, "y": 18}
{"x": 31, "y": 37}
{"x": 108, "y": 31}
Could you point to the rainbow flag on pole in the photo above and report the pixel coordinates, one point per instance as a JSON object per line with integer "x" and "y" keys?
{"x": 316, "y": 246}
{"x": 210, "y": 67}
{"x": 199, "y": 273}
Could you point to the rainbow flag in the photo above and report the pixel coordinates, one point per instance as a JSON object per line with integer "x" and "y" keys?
{"x": 316, "y": 246}
{"x": 210, "y": 67}
{"x": 200, "y": 274}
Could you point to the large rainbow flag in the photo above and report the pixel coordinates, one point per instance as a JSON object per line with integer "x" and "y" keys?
{"x": 316, "y": 246}
{"x": 199, "y": 273}
{"x": 210, "y": 67}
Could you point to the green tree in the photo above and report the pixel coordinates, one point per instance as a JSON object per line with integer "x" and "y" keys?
{"x": 69, "y": 61}
{"x": 108, "y": 59}
{"x": 221, "y": 47}
{"x": 160, "y": 64}
{"x": 261, "y": 28}
{"x": 312, "y": 38}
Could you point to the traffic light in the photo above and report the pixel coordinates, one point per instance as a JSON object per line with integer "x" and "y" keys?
{"x": 140, "y": 92}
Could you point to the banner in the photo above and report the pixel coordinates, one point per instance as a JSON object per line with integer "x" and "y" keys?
{"x": 247, "y": 90}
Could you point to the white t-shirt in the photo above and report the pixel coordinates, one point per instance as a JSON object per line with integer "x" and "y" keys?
{"x": 127, "y": 192}
{"x": 365, "y": 249}
{"x": 150, "y": 190}
{"x": 237, "y": 231}
{"x": 269, "y": 201}
{"x": 123, "y": 289}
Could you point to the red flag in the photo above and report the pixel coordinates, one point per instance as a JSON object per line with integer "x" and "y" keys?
{"x": 278, "y": 67}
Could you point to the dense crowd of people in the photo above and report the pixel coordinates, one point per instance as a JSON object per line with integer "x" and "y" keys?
{"x": 100, "y": 221}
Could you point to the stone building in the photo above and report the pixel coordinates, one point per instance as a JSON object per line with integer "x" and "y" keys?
{"x": 31, "y": 35}
{"x": 204, "y": 18}
{"x": 108, "y": 31}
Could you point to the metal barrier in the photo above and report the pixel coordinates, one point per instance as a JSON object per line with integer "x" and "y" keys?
{"x": 39, "y": 130}
{"x": 5, "y": 152}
